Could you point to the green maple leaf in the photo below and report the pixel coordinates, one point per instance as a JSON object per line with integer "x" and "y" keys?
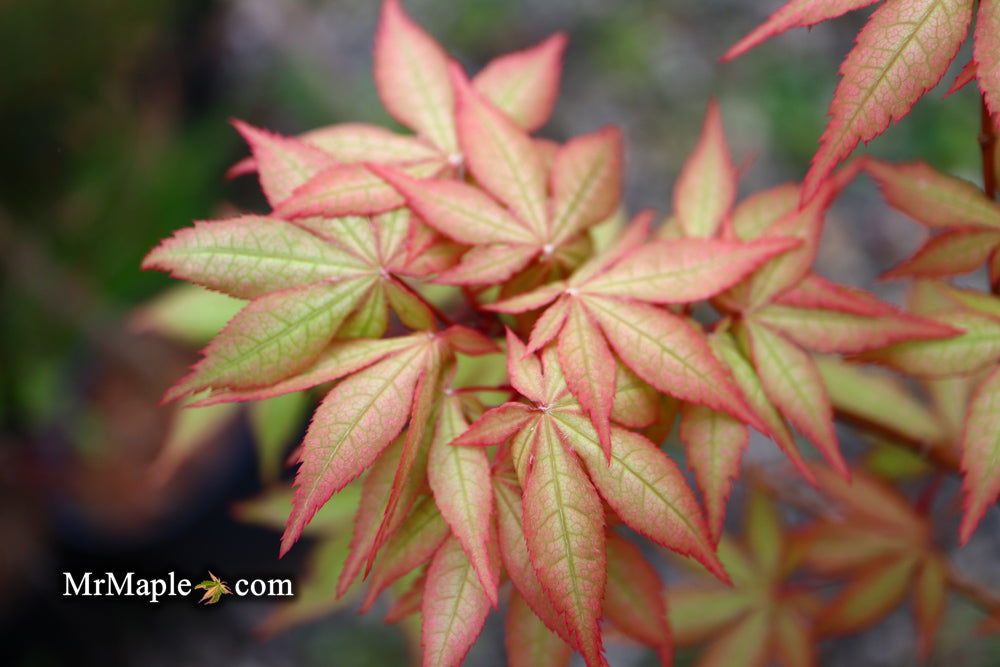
{"x": 215, "y": 588}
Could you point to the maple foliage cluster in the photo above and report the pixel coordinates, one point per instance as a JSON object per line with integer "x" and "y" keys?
{"x": 395, "y": 271}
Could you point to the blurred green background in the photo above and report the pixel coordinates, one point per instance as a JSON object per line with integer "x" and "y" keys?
{"x": 113, "y": 126}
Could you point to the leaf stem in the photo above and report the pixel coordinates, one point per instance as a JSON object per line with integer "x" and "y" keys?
{"x": 988, "y": 145}
{"x": 939, "y": 454}
{"x": 500, "y": 387}
{"x": 976, "y": 592}
{"x": 926, "y": 499}
{"x": 442, "y": 317}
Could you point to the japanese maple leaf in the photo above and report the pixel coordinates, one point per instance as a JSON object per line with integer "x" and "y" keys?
{"x": 459, "y": 480}
{"x": 336, "y": 279}
{"x": 362, "y": 415}
{"x": 714, "y": 440}
{"x": 885, "y": 404}
{"x": 455, "y": 606}
{"x": 634, "y": 600}
{"x": 966, "y": 76}
{"x": 331, "y": 533}
{"x": 378, "y": 486}
{"x": 523, "y": 208}
{"x": 976, "y": 349}
{"x": 763, "y": 618}
{"x": 714, "y": 443}
{"x": 986, "y": 55}
{"x": 323, "y": 172}
{"x": 706, "y": 188}
{"x": 450, "y": 534}
{"x": 215, "y": 588}
{"x": 884, "y": 549}
{"x": 967, "y": 220}
{"x": 961, "y": 374}
{"x": 777, "y": 311}
{"x": 633, "y": 603}
{"x": 528, "y": 640}
{"x": 555, "y": 502}
{"x": 319, "y": 173}
{"x": 608, "y": 309}
{"x": 822, "y": 317}
{"x": 902, "y": 52}
{"x": 980, "y": 448}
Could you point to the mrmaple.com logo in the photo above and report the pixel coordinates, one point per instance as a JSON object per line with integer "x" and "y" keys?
{"x": 110, "y": 584}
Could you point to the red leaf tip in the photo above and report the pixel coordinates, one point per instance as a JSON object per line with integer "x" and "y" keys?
{"x": 968, "y": 526}
{"x": 459, "y": 80}
{"x": 556, "y": 41}
{"x": 250, "y": 133}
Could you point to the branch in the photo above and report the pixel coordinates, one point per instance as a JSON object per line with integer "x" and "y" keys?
{"x": 988, "y": 144}
{"x": 940, "y": 454}
{"x": 976, "y": 592}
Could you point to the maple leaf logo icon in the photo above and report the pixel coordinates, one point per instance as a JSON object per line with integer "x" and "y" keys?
{"x": 215, "y": 588}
